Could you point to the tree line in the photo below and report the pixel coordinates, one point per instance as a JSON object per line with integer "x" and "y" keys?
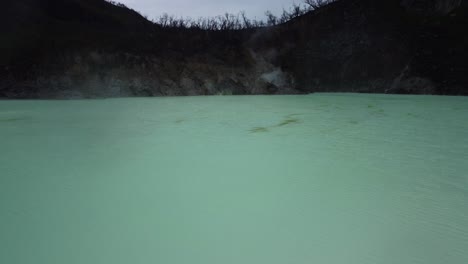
{"x": 238, "y": 21}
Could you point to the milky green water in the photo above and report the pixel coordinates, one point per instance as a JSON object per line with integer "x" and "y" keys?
{"x": 324, "y": 178}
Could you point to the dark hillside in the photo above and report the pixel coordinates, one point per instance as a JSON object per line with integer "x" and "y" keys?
{"x": 375, "y": 46}
{"x": 92, "y": 48}
{"x": 36, "y": 28}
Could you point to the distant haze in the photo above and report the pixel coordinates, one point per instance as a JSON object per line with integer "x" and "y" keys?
{"x": 208, "y": 8}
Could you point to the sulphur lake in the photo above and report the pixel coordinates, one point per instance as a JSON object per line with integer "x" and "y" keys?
{"x": 321, "y": 178}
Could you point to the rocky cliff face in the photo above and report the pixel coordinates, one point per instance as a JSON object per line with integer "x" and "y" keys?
{"x": 89, "y": 49}
{"x": 97, "y": 75}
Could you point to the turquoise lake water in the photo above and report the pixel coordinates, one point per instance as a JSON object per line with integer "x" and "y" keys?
{"x": 322, "y": 178}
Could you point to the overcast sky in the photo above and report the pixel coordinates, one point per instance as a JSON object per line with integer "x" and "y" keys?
{"x": 194, "y": 9}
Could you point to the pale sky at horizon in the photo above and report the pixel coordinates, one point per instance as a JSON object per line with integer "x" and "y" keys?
{"x": 208, "y": 8}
